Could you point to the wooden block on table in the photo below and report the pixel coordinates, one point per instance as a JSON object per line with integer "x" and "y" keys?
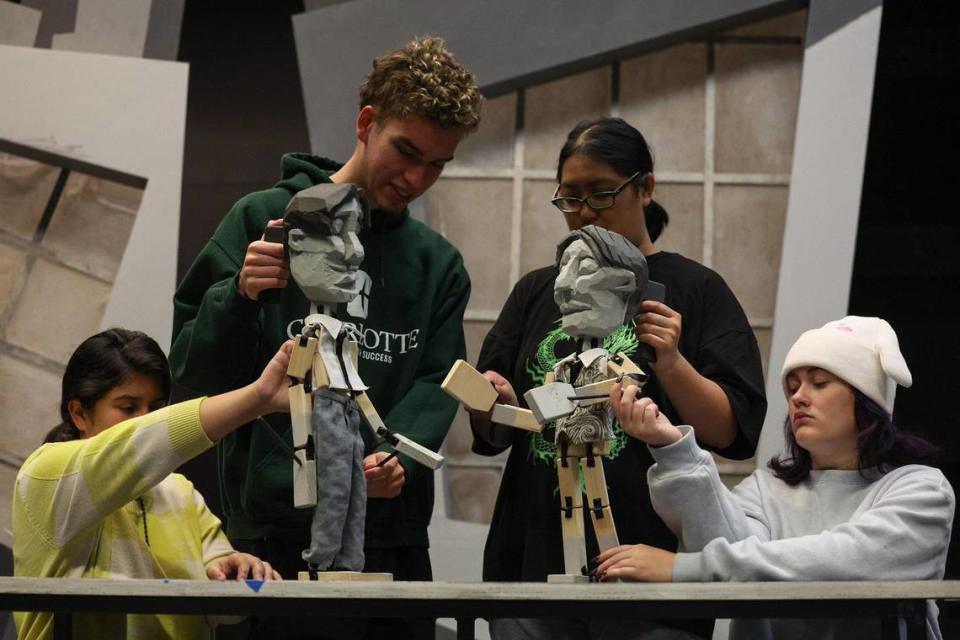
{"x": 344, "y": 576}
{"x": 515, "y": 417}
{"x": 469, "y": 387}
{"x": 567, "y": 578}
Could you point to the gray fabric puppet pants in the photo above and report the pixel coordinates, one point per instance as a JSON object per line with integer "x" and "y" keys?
{"x": 336, "y": 533}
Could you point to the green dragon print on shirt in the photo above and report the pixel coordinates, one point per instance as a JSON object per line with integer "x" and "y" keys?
{"x": 545, "y": 359}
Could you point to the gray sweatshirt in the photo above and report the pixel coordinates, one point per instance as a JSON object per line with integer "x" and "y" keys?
{"x": 836, "y": 525}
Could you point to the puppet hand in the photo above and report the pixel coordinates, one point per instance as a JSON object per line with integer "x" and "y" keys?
{"x": 264, "y": 267}
{"x": 241, "y": 566}
{"x": 641, "y": 418}
{"x": 636, "y": 562}
{"x": 272, "y": 384}
{"x": 383, "y": 481}
{"x": 659, "y": 326}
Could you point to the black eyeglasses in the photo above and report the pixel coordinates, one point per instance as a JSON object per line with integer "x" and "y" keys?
{"x": 596, "y": 201}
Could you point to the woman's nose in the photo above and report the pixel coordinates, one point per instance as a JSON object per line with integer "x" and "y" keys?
{"x": 799, "y": 397}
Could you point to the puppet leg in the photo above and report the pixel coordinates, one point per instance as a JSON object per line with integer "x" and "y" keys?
{"x": 598, "y": 502}
{"x": 571, "y": 514}
{"x": 334, "y": 456}
{"x": 351, "y": 556}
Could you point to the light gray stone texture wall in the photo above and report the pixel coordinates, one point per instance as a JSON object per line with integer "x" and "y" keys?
{"x": 55, "y": 281}
{"x": 663, "y": 94}
{"x": 91, "y": 225}
{"x": 478, "y": 233}
{"x": 25, "y": 187}
{"x": 7, "y": 476}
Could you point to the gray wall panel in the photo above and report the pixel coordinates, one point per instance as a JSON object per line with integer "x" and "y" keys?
{"x": 163, "y": 33}
{"x": 825, "y": 191}
{"x": 506, "y": 44}
{"x": 94, "y": 108}
{"x": 59, "y": 16}
{"x": 104, "y": 26}
{"x": 829, "y": 16}
{"x": 19, "y": 25}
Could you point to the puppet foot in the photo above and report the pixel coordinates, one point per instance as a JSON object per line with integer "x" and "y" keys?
{"x": 567, "y": 578}
{"x": 344, "y": 576}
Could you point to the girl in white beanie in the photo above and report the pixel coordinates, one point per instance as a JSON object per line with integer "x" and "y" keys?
{"x": 847, "y": 500}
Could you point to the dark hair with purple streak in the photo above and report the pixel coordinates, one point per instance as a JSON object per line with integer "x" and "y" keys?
{"x": 879, "y": 442}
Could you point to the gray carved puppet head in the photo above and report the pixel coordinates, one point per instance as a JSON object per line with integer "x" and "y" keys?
{"x": 321, "y": 226}
{"x": 601, "y": 281}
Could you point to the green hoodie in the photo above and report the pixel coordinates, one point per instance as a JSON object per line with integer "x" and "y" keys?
{"x": 411, "y": 336}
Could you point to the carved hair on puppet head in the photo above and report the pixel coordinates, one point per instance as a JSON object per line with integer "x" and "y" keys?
{"x": 601, "y": 281}
{"x": 320, "y": 234}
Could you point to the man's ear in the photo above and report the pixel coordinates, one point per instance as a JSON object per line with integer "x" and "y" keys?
{"x": 79, "y": 416}
{"x": 365, "y": 120}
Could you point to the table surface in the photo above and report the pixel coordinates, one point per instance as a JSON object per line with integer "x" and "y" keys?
{"x": 346, "y": 597}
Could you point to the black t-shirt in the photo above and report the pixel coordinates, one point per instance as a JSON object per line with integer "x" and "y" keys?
{"x": 524, "y": 543}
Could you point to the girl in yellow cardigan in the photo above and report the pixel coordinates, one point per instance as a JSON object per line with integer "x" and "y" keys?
{"x": 100, "y": 500}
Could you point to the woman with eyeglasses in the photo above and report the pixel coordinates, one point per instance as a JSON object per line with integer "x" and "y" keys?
{"x": 707, "y": 372}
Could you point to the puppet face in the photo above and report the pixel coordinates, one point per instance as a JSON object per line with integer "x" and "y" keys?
{"x": 326, "y": 267}
{"x": 592, "y": 298}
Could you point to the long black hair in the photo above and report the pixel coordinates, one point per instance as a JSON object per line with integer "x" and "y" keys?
{"x": 100, "y": 363}
{"x": 880, "y": 444}
{"x": 616, "y": 143}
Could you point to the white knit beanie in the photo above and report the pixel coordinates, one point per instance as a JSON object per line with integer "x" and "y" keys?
{"x": 864, "y": 352}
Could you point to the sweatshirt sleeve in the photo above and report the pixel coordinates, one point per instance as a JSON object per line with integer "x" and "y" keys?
{"x": 215, "y": 329}
{"x": 426, "y": 411}
{"x": 213, "y": 541}
{"x": 687, "y": 493}
{"x": 903, "y": 535}
{"x": 65, "y": 489}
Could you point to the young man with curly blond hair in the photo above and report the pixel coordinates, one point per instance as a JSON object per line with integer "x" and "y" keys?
{"x": 416, "y": 105}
